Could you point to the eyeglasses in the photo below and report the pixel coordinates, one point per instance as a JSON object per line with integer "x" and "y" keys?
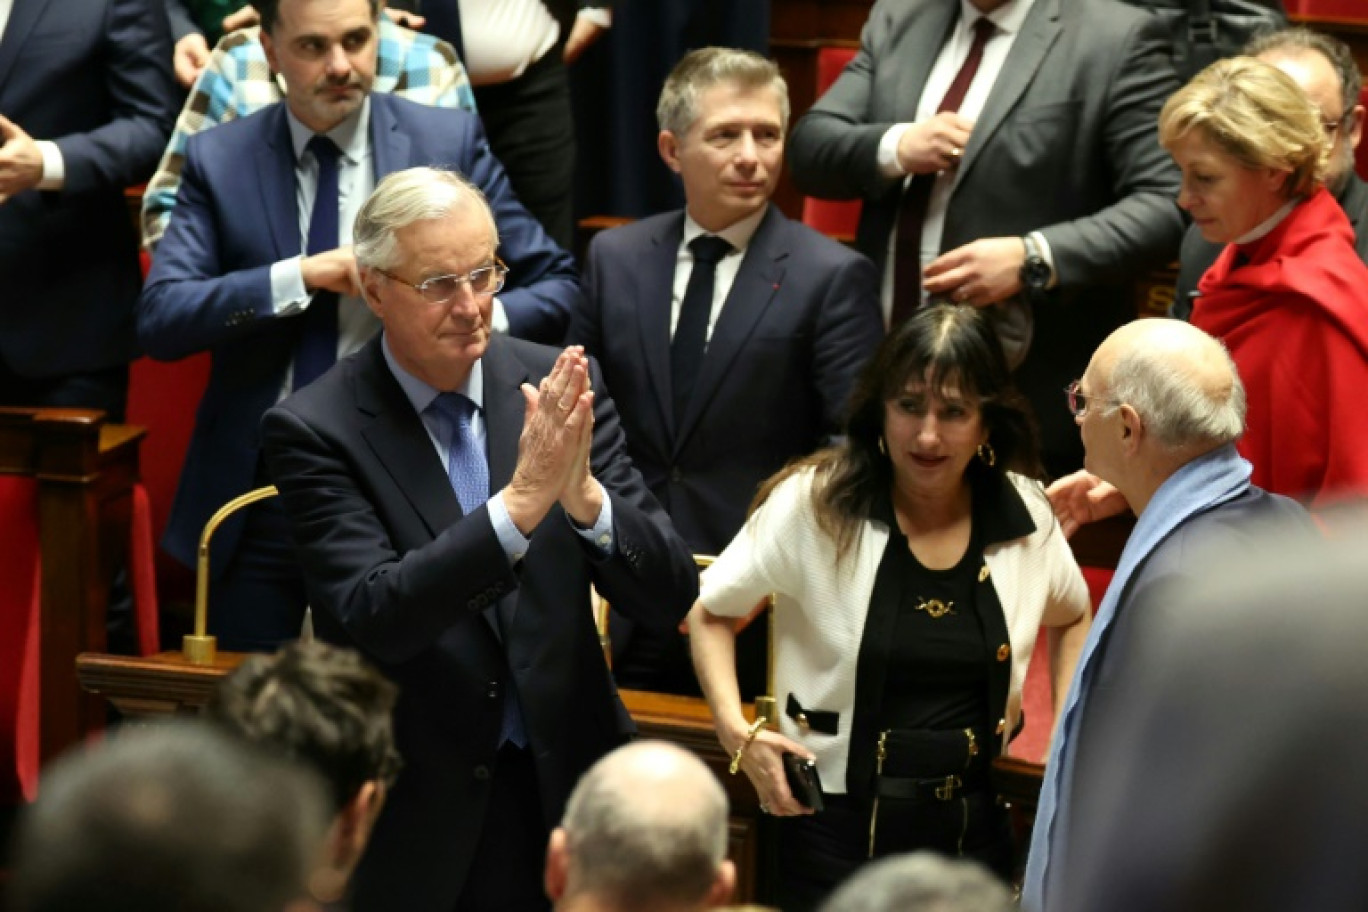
{"x": 1079, "y": 401}
{"x": 483, "y": 282}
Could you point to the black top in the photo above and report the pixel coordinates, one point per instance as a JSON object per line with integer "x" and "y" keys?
{"x": 937, "y": 676}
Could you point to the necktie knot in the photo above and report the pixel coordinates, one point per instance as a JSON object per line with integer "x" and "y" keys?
{"x": 456, "y": 408}
{"x": 708, "y": 248}
{"x": 323, "y": 149}
{"x": 983, "y": 30}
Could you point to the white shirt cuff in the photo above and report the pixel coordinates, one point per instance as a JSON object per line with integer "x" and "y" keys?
{"x": 288, "y": 294}
{"x": 498, "y": 318}
{"x": 512, "y": 541}
{"x": 1047, "y": 256}
{"x": 600, "y": 16}
{"x": 888, "y": 151}
{"x": 600, "y": 534}
{"x": 54, "y": 166}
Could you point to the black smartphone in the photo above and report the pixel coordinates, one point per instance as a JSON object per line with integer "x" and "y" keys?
{"x": 803, "y": 780}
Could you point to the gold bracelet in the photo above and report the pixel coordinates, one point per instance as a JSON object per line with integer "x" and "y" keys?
{"x": 741, "y": 751}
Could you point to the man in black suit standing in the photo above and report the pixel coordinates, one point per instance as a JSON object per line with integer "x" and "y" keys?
{"x": 729, "y": 336}
{"x": 1325, "y": 69}
{"x": 450, "y": 517}
{"x": 1007, "y": 154}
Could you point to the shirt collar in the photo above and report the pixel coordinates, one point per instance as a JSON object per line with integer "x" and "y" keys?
{"x": 350, "y": 136}
{"x": 1008, "y": 18}
{"x": 738, "y": 234}
{"x": 1263, "y": 228}
{"x": 420, "y": 394}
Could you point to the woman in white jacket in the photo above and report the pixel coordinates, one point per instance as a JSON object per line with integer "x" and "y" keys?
{"x": 913, "y": 565}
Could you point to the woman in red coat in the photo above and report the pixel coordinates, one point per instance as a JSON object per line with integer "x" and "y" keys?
{"x": 1288, "y": 295}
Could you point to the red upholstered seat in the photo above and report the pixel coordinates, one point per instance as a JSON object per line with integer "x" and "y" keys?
{"x": 835, "y": 218}
{"x": 20, "y": 587}
{"x": 1036, "y": 700}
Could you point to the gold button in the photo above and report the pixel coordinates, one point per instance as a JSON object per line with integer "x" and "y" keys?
{"x": 983, "y": 573}
{"x": 802, "y": 721}
{"x": 1003, "y": 652}
{"x": 1001, "y": 726}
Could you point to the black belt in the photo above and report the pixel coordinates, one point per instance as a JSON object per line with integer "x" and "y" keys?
{"x": 941, "y": 788}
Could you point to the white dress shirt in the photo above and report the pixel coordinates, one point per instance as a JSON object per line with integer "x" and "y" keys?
{"x": 503, "y": 38}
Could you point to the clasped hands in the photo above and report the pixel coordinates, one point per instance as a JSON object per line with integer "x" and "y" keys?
{"x": 554, "y": 448}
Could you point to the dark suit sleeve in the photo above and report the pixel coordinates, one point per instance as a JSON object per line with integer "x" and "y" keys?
{"x": 833, "y": 152}
{"x": 191, "y": 301}
{"x": 586, "y": 325}
{"x": 1143, "y": 226}
{"x": 543, "y": 288}
{"x": 651, "y": 576}
{"x": 849, "y": 329}
{"x": 136, "y": 68}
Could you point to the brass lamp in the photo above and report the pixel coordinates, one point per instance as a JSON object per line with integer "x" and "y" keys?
{"x": 199, "y": 648}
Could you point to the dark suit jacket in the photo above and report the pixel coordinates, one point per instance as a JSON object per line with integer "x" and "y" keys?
{"x": 210, "y": 282}
{"x": 394, "y": 569}
{"x": 1066, "y": 145}
{"x": 799, "y": 323}
{"x": 95, "y": 77}
{"x": 1198, "y": 253}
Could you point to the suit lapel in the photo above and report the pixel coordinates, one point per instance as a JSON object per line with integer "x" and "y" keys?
{"x": 23, "y": 16}
{"x": 757, "y": 283}
{"x": 503, "y": 411}
{"x": 276, "y": 170}
{"x": 396, "y": 435}
{"x": 653, "y": 313}
{"x": 389, "y": 145}
{"x": 1038, "y": 34}
{"x": 926, "y": 35}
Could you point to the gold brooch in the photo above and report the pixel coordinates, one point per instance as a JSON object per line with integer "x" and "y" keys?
{"x": 935, "y": 607}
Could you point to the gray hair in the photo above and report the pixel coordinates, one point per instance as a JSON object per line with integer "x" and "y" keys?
{"x": 646, "y": 827}
{"x": 173, "y": 817}
{"x": 1302, "y": 39}
{"x": 704, "y": 68}
{"x": 921, "y": 882}
{"x": 406, "y": 197}
{"x": 1177, "y": 409}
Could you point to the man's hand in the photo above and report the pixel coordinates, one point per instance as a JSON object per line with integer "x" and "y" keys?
{"x": 332, "y": 270}
{"x": 190, "y": 58}
{"x": 1082, "y": 498}
{"x": 551, "y": 449}
{"x": 582, "y": 496}
{"x": 21, "y": 164}
{"x": 405, "y": 18}
{"x": 935, "y": 144}
{"x": 582, "y": 34}
{"x": 980, "y": 273}
{"x": 244, "y": 17}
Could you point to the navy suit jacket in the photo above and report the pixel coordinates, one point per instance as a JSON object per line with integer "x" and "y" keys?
{"x": 394, "y": 568}
{"x": 210, "y": 284}
{"x": 799, "y": 323}
{"x": 94, "y": 76}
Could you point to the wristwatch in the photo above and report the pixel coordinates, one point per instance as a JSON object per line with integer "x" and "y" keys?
{"x": 1035, "y": 271}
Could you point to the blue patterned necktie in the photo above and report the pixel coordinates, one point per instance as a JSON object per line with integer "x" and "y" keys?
{"x": 316, "y": 349}
{"x": 466, "y": 465}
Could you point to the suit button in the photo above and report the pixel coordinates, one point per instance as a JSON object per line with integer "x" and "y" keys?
{"x": 1004, "y": 651}
{"x": 676, "y": 476}
{"x": 481, "y": 773}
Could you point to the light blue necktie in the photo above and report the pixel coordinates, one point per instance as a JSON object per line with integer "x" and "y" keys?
{"x": 469, "y": 474}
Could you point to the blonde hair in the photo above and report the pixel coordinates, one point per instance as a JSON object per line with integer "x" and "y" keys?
{"x": 1257, "y": 114}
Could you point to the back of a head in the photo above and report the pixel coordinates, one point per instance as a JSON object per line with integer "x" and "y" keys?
{"x": 318, "y": 704}
{"x": 174, "y": 817}
{"x": 646, "y": 828}
{"x": 921, "y": 882}
{"x": 1180, "y": 380}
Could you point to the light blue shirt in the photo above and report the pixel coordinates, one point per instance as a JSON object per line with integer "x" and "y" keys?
{"x": 514, "y": 543}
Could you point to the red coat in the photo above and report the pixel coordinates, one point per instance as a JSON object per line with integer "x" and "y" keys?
{"x": 1294, "y": 314}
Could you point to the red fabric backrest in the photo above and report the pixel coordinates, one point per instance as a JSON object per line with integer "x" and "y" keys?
{"x": 20, "y": 588}
{"x": 836, "y": 218}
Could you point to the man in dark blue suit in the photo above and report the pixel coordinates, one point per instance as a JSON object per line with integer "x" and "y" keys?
{"x": 229, "y": 277}
{"x": 88, "y": 101}
{"x": 729, "y": 336}
{"x": 451, "y": 516}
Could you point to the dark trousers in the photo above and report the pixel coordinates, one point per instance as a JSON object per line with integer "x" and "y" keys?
{"x": 818, "y": 852}
{"x": 258, "y": 602}
{"x": 532, "y": 133}
{"x": 105, "y": 389}
{"x": 507, "y": 872}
